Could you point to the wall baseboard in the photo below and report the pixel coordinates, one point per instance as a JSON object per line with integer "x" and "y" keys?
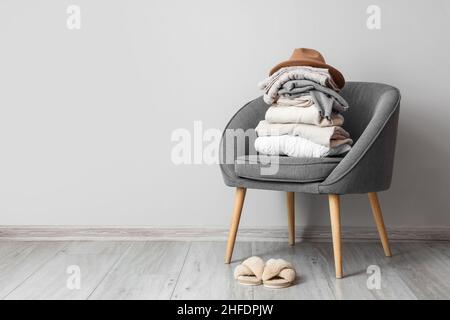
{"x": 118, "y": 233}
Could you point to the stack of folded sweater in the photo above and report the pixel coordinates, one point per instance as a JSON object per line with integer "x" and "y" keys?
{"x": 304, "y": 119}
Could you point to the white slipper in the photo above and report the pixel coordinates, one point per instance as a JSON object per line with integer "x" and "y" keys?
{"x": 278, "y": 273}
{"x": 250, "y": 272}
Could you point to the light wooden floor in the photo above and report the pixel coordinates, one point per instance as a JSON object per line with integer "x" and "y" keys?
{"x": 195, "y": 270}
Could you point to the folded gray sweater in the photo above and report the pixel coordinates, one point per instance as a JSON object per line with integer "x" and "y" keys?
{"x": 325, "y": 99}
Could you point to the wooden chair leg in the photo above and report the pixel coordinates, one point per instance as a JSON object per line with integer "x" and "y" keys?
{"x": 238, "y": 204}
{"x": 336, "y": 232}
{"x": 290, "y": 197}
{"x": 378, "y": 215}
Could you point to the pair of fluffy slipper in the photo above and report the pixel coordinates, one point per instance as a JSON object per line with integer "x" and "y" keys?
{"x": 275, "y": 273}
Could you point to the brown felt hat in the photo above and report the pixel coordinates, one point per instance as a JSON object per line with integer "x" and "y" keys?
{"x": 310, "y": 58}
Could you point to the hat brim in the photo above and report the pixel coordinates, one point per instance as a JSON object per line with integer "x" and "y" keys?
{"x": 335, "y": 74}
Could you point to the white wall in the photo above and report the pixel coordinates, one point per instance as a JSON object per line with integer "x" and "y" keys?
{"x": 86, "y": 116}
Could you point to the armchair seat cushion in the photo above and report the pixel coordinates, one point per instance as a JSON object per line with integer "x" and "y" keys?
{"x": 286, "y": 169}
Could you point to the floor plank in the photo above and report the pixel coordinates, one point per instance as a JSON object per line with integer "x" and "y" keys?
{"x": 441, "y": 248}
{"x": 316, "y": 279}
{"x": 195, "y": 270}
{"x": 365, "y": 255}
{"x": 309, "y": 265}
{"x": 148, "y": 270}
{"x": 206, "y": 276}
{"x": 19, "y": 260}
{"x": 95, "y": 259}
{"x": 424, "y": 271}
{"x": 353, "y": 285}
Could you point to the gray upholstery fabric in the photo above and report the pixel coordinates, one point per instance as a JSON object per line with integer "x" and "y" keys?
{"x": 371, "y": 121}
{"x": 285, "y": 169}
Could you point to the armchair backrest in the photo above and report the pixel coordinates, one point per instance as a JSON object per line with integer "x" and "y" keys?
{"x": 372, "y": 122}
{"x": 363, "y": 99}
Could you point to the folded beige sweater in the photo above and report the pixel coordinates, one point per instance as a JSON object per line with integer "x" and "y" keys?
{"x": 302, "y": 101}
{"x": 330, "y": 137}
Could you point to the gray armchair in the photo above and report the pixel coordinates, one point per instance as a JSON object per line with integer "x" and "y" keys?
{"x": 371, "y": 121}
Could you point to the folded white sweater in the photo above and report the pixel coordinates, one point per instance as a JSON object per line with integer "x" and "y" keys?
{"x": 308, "y": 115}
{"x": 294, "y": 146}
{"x": 326, "y": 136}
